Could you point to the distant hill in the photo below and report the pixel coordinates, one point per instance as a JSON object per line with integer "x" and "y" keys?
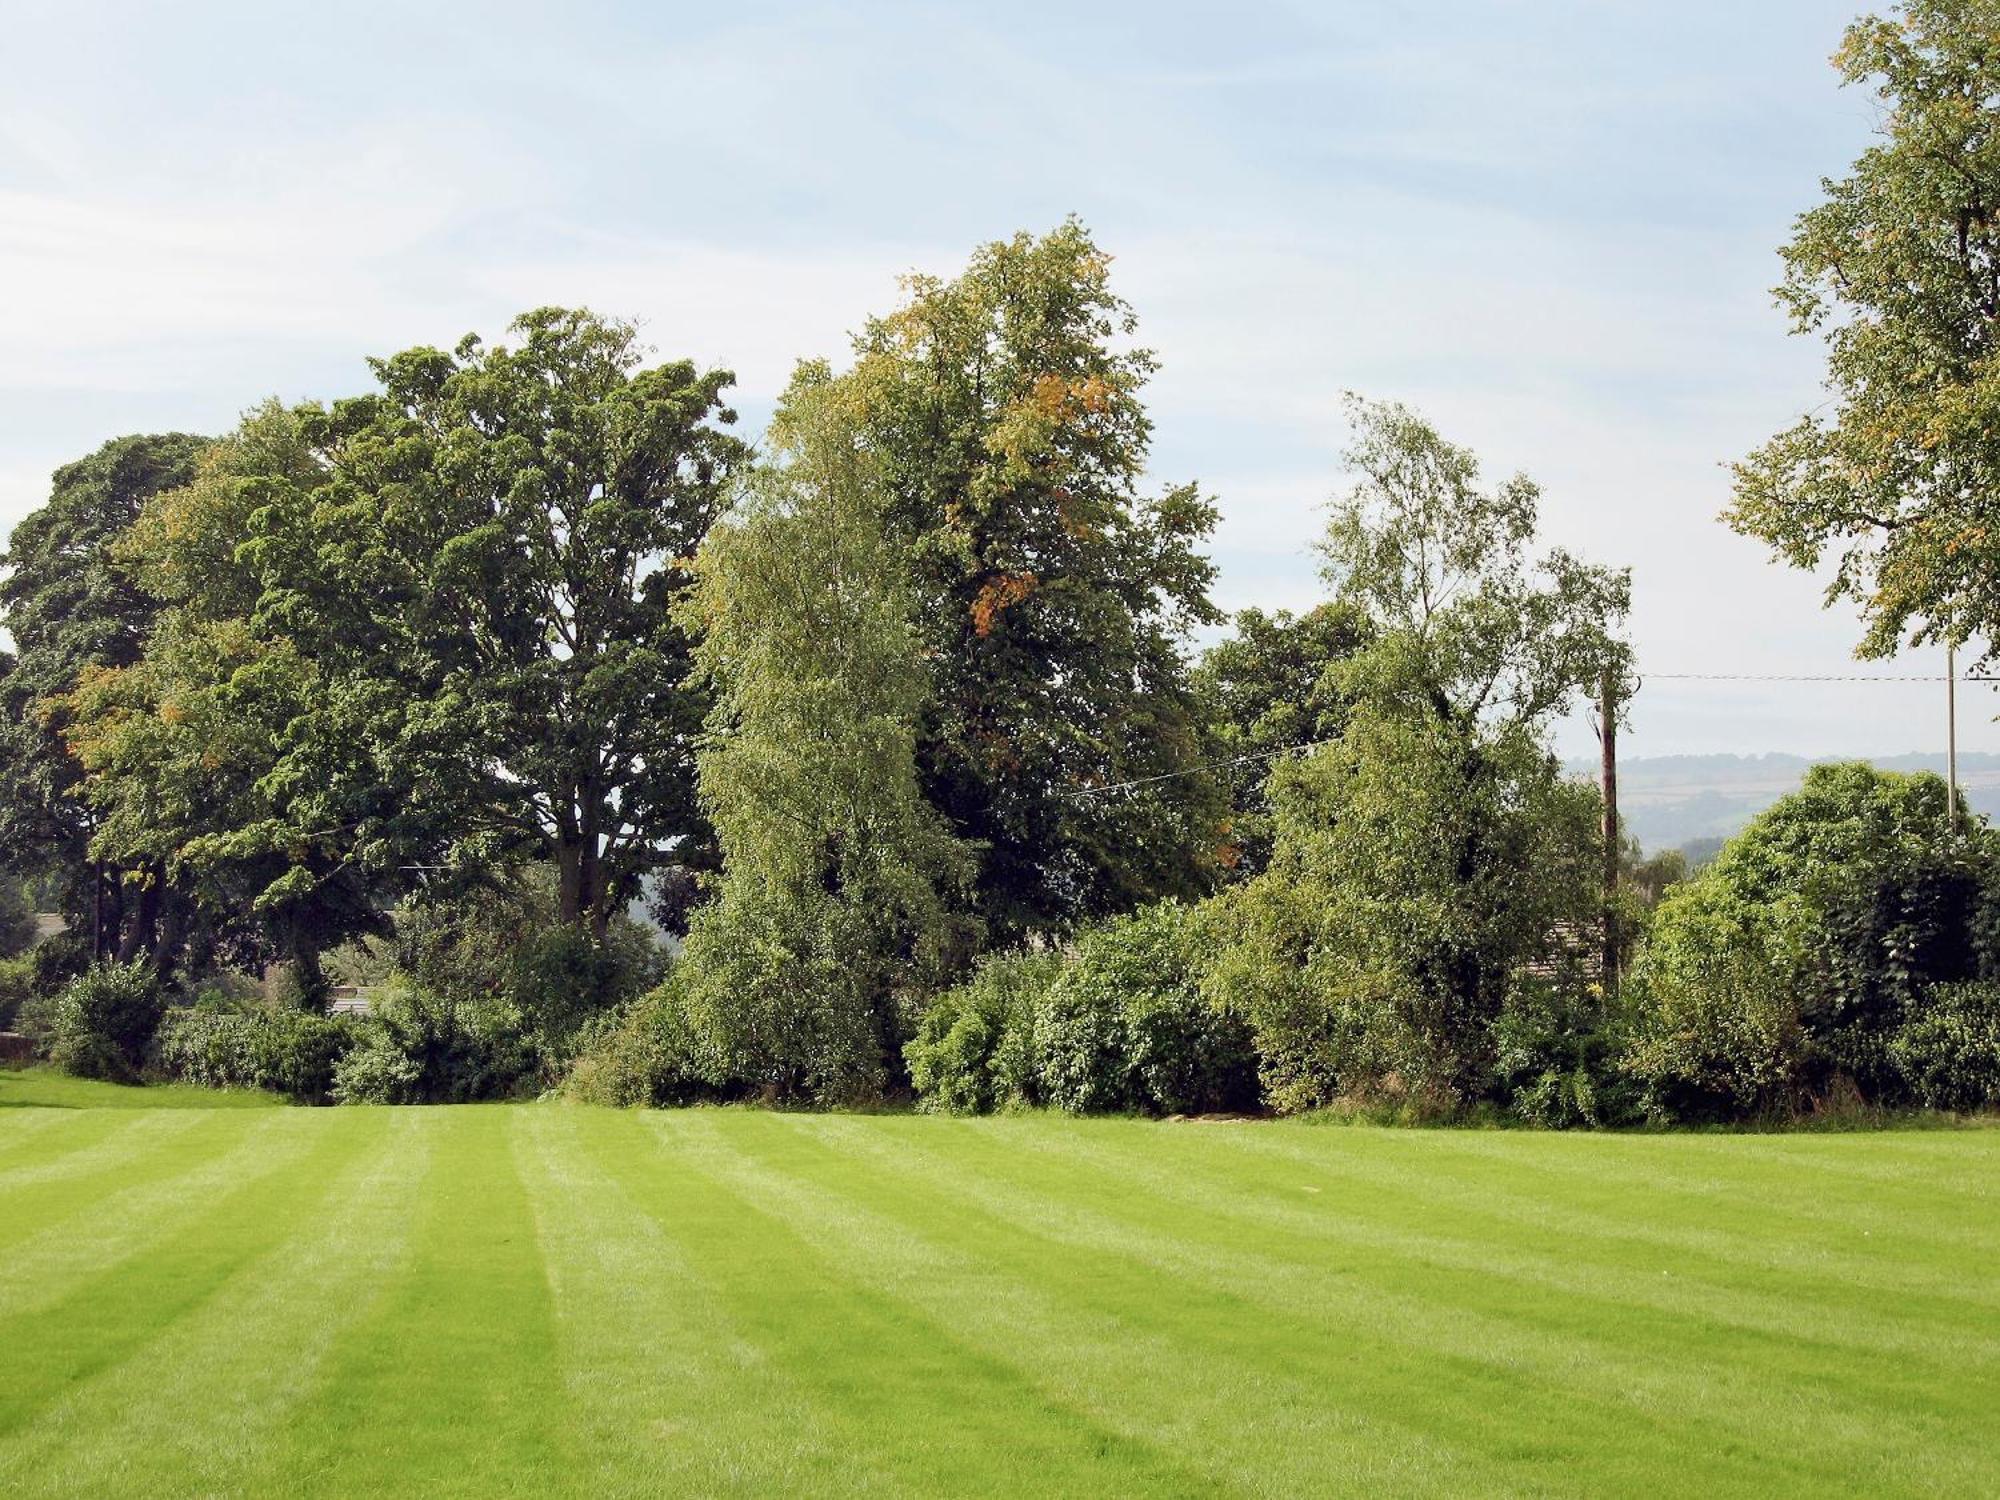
{"x": 1671, "y": 801}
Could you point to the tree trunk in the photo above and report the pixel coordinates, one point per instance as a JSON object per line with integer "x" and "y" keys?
{"x": 1608, "y": 739}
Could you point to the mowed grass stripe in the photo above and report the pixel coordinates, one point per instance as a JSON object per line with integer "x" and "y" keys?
{"x": 32, "y": 1134}
{"x": 667, "y": 1394}
{"x": 224, "y": 1220}
{"x": 135, "y": 1157}
{"x": 199, "y": 1409}
{"x": 1850, "y": 1225}
{"x": 50, "y": 1263}
{"x": 446, "y": 1383}
{"x": 1103, "y": 1337}
{"x": 103, "y": 1138}
{"x": 1670, "y": 1373}
{"x": 1437, "y": 1393}
{"x": 934, "y": 1413}
{"x": 1762, "y": 1281}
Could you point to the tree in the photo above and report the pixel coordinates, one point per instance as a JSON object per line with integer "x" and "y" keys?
{"x": 1899, "y": 271}
{"x": 73, "y": 605}
{"x": 1004, "y": 412}
{"x": 481, "y": 560}
{"x": 1270, "y": 688}
{"x": 1424, "y": 862}
{"x": 831, "y": 908}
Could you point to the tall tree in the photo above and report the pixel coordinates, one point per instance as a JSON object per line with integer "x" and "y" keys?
{"x": 1004, "y": 411}
{"x": 73, "y": 605}
{"x": 831, "y": 907}
{"x": 1436, "y": 849}
{"x": 1898, "y": 475}
{"x": 482, "y": 558}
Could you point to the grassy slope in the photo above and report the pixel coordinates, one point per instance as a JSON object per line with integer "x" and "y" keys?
{"x": 540, "y": 1300}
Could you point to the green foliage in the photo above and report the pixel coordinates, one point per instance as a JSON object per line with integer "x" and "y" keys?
{"x": 73, "y": 605}
{"x": 429, "y": 1049}
{"x": 17, "y": 918}
{"x": 974, "y": 1048}
{"x": 829, "y": 913}
{"x": 17, "y": 988}
{"x": 103, "y": 1021}
{"x": 1783, "y": 971}
{"x": 1004, "y": 412}
{"x": 1948, "y": 1051}
{"x": 284, "y": 1051}
{"x": 1272, "y": 686}
{"x": 1558, "y": 1046}
{"x": 1897, "y": 270}
{"x": 647, "y": 1054}
{"x": 1127, "y": 1026}
{"x": 505, "y": 941}
{"x": 1436, "y": 851}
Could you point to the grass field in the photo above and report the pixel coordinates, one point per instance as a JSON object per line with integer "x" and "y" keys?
{"x": 540, "y": 1300}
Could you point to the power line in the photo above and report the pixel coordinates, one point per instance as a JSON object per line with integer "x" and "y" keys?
{"x": 1206, "y": 765}
{"x": 1802, "y": 677}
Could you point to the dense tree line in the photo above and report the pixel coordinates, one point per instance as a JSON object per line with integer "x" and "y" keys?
{"x": 893, "y": 727}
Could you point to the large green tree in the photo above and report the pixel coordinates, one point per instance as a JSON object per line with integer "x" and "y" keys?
{"x": 1004, "y": 410}
{"x": 1433, "y": 853}
{"x": 833, "y": 910}
{"x": 1897, "y": 476}
{"x": 73, "y": 605}
{"x": 481, "y": 559}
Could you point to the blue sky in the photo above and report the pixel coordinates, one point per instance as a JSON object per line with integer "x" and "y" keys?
{"x": 1550, "y": 226}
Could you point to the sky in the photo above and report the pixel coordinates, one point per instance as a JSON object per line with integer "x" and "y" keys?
{"x": 1551, "y": 227}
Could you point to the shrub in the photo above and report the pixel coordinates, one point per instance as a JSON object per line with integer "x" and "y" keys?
{"x": 427, "y": 1049}
{"x": 1557, "y": 1049}
{"x": 1783, "y": 971}
{"x": 1126, "y": 1025}
{"x": 1948, "y": 1052}
{"x": 102, "y": 1021}
{"x": 17, "y": 988}
{"x": 645, "y": 1055}
{"x": 974, "y": 1050}
{"x": 289, "y": 1052}
{"x": 1717, "y": 1032}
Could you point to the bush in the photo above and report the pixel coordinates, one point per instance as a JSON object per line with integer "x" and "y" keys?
{"x": 1948, "y": 1053}
{"x": 17, "y": 989}
{"x": 644, "y": 1055}
{"x": 427, "y": 1049}
{"x": 1717, "y": 1032}
{"x": 289, "y": 1052}
{"x": 1557, "y": 1049}
{"x": 974, "y": 1050}
{"x": 1125, "y": 1025}
{"x": 102, "y": 1022}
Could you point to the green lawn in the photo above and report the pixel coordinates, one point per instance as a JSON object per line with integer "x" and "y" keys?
{"x": 541, "y": 1300}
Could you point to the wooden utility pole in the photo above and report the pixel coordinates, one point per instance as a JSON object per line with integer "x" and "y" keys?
{"x": 1951, "y": 735}
{"x": 1607, "y": 738}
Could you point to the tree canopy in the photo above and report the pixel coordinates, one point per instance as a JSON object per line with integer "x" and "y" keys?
{"x": 1897, "y": 477}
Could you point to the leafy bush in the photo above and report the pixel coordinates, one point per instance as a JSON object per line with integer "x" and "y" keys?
{"x": 507, "y": 944}
{"x": 974, "y": 1050}
{"x": 1786, "y": 969}
{"x": 1948, "y": 1052}
{"x": 427, "y": 1049}
{"x": 647, "y": 1054}
{"x": 17, "y": 988}
{"x": 1557, "y": 1049}
{"x": 288, "y": 1052}
{"x": 102, "y": 1021}
{"x": 1126, "y": 1025}
{"x": 1717, "y": 1030}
